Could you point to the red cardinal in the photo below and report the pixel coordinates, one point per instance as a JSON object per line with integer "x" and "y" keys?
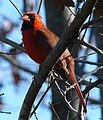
{"x": 39, "y": 41}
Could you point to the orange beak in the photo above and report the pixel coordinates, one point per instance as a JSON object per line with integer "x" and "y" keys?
{"x": 25, "y": 18}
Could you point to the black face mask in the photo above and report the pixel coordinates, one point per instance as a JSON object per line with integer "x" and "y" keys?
{"x": 26, "y": 26}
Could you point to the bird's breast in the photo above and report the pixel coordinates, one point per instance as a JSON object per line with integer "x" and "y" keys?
{"x": 34, "y": 49}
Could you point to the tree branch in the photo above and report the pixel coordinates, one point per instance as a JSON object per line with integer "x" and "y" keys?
{"x": 84, "y": 82}
{"x": 12, "y": 43}
{"x": 89, "y": 46}
{"x": 13, "y": 62}
{"x": 94, "y": 101}
{"x": 94, "y": 21}
{"x": 92, "y": 85}
{"x": 89, "y": 62}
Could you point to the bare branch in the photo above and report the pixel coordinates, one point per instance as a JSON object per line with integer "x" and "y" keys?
{"x": 76, "y": 59}
{"x": 5, "y": 112}
{"x": 88, "y": 62}
{"x": 94, "y": 101}
{"x": 12, "y": 43}
{"x": 92, "y": 22}
{"x": 88, "y": 74}
{"x": 89, "y": 46}
{"x": 13, "y": 62}
{"x": 8, "y": 53}
{"x": 86, "y": 83}
{"x": 54, "y": 111}
{"x": 1, "y": 94}
{"x": 92, "y": 85}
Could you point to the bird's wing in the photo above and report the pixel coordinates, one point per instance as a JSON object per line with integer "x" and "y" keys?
{"x": 45, "y": 36}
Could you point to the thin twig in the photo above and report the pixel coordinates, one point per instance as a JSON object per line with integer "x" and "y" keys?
{"x": 76, "y": 59}
{"x": 85, "y": 76}
{"x": 12, "y": 53}
{"x": 1, "y": 94}
{"x": 94, "y": 101}
{"x": 5, "y": 112}
{"x": 71, "y": 12}
{"x": 86, "y": 55}
{"x": 35, "y": 114}
{"x": 94, "y": 21}
{"x": 12, "y": 43}
{"x": 92, "y": 85}
{"x": 89, "y": 62}
{"x": 82, "y": 39}
{"x": 88, "y": 45}
{"x": 54, "y": 111}
{"x": 87, "y": 93}
{"x": 16, "y": 8}
{"x": 16, "y": 64}
{"x": 86, "y": 83}
{"x": 39, "y": 6}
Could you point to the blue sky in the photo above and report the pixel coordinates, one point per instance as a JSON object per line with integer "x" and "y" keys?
{"x": 13, "y": 98}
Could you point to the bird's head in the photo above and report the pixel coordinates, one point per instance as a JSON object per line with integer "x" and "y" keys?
{"x": 31, "y": 17}
{"x": 31, "y": 20}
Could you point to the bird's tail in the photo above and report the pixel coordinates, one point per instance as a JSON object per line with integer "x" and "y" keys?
{"x": 77, "y": 88}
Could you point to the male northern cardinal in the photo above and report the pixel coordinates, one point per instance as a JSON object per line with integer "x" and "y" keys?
{"x": 39, "y": 41}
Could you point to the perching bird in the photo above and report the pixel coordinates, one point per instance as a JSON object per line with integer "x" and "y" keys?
{"x": 39, "y": 41}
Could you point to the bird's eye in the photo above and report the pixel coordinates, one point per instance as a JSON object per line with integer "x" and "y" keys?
{"x": 31, "y": 17}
